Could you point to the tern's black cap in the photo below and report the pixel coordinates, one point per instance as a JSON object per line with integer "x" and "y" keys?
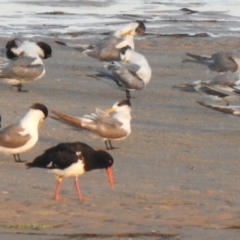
{"x": 41, "y": 107}
{"x": 124, "y": 102}
{"x": 11, "y": 44}
{"x": 140, "y": 30}
{"x": 46, "y": 49}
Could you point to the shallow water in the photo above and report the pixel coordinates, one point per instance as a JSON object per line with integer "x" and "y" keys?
{"x": 84, "y": 19}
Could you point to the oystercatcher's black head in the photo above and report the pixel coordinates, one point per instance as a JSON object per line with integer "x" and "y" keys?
{"x": 105, "y": 160}
{"x": 47, "y": 50}
{"x": 41, "y": 107}
{"x": 140, "y": 30}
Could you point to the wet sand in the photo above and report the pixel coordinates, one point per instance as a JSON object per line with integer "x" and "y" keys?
{"x": 177, "y": 174}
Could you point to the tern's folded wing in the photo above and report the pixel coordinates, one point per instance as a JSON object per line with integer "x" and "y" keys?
{"x": 22, "y": 68}
{"x": 126, "y": 75}
{"x": 13, "y": 137}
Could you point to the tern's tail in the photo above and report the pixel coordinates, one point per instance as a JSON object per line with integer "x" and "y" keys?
{"x": 188, "y": 87}
{"x": 73, "y": 121}
{"x": 78, "y": 47}
{"x": 205, "y": 60}
{"x": 224, "y": 109}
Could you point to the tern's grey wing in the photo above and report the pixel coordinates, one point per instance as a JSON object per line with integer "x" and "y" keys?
{"x": 126, "y": 74}
{"x": 10, "y": 137}
{"x": 132, "y": 67}
{"x": 223, "y": 62}
{"x": 107, "y": 75}
{"x": 104, "y": 50}
{"x": 22, "y": 68}
{"x": 106, "y": 126}
{"x": 75, "y": 46}
{"x": 234, "y": 110}
{"x": 205, "y": 60}
{"x": 212, "y": 91}
{"x": 227, "y": 79}
{"x": 107, "y": 119}
{"x": 222, "y": 91}
{"x": 99, "y": 125}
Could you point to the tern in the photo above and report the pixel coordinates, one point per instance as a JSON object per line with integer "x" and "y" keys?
{"x": 21, "y": 137}
{"x": 223, "y": 87}
{"x": 16, "y": 48}
{"x": 108, "y": 127}
{"x": 26, "y": 68}
{"x": 132, "y": 74}
{"x": 219, "y": 61}
{"x": 107, "y": 49}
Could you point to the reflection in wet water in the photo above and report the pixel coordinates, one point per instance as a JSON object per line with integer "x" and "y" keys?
{"x": 83, "y": 19}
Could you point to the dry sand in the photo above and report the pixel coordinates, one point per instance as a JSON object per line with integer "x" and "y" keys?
{"x": 177, "y": 173}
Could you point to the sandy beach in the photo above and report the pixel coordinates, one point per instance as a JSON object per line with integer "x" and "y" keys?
{"x": 176, "y": 176}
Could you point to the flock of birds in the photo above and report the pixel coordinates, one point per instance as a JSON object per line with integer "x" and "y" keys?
{"x": 225, "y": 87}
{"x": 124, "y": 69}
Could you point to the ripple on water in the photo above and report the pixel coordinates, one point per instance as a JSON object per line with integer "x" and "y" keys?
{"x": 85, "y": 19}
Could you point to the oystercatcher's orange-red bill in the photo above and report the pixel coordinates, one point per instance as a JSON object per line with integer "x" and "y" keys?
{"x": 110, "y": 177}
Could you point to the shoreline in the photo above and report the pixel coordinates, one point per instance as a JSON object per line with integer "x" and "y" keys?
{"x": 177, "y": 173}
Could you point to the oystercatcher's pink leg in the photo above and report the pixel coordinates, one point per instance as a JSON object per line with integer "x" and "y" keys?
{"x": 80, "y": 197}
{"x": 56, "y": 194}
